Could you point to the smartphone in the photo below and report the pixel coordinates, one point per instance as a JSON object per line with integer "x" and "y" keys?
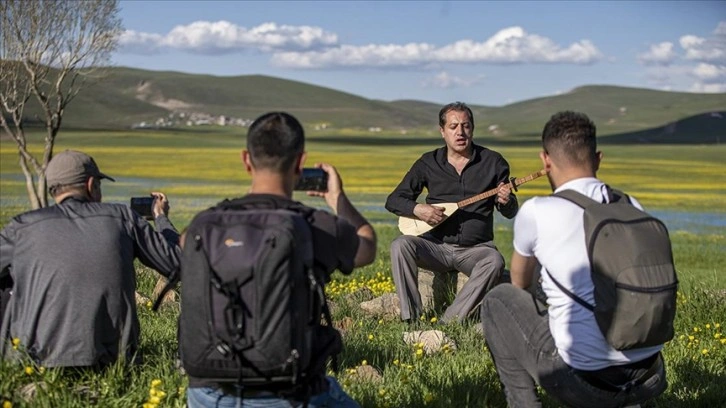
{"x": 143, "y": 206}
{"x": 312, "y": 179}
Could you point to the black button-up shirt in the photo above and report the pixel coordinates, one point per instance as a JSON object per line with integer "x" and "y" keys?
{"x": 469, "y": 225}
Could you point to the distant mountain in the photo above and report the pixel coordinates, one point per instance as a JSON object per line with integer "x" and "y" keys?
{"x": 615, "y": 110}
{"x": 704, "y": 128}
{"x": 131, "y": 96}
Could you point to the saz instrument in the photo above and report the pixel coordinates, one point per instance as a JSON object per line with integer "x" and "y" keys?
{"x": 415, "y": 226}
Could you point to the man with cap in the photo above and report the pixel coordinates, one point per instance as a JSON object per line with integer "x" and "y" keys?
{"x": 72, "y": 267}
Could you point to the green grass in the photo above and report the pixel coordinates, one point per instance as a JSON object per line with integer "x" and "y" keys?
{"x": 200, "y": 170}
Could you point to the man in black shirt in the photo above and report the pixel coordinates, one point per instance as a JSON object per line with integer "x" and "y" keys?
{"x": 464, "y": 241}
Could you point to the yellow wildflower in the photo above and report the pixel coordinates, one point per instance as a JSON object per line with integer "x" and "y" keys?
{"x": 708, "y": 326}
{"x": 16, "y": 341}
{"x": 7, "y": 404}
{"x": 364, "y": 362}
{"x": 434, "y": 319}
{"x": 28, "y": 370}
{"x": 704, "y": 351}
{"x": 155, "y": 383}
{"x": 370, "y": 337}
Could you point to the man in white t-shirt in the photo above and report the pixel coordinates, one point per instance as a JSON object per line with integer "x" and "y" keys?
{"x": 560, "y": 347}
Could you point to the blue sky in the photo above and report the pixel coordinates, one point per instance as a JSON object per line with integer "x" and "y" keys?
{"x": 485, "y": 53}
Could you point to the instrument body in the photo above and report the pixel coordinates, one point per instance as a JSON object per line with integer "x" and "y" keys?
{"x": 415, "y": 226}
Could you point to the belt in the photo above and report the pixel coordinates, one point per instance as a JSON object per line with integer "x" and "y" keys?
{"x": 597, "y": 380}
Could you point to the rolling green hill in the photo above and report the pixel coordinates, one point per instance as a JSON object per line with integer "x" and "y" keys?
{"x": 130, "y": 96}
{"x": 615, "y": 110}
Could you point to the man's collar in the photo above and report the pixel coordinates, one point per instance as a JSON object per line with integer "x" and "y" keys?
{"x": 73, "y": 197}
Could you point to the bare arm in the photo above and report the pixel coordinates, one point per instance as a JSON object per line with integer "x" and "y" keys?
{"x": 523, "y": 270}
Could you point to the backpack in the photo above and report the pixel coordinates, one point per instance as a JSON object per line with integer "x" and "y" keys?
{"x": 253, "y": 308}
{"x": 632, "y": 270}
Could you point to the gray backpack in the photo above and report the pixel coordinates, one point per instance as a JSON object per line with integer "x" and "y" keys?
{"x": 632, "y": 270}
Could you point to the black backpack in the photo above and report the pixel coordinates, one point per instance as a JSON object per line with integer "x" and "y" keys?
{"x": 632, "y": 270}
{"x": 253, "y": 308}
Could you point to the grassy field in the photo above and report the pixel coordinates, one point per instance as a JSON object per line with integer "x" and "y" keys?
{"x": 198, "y": 170}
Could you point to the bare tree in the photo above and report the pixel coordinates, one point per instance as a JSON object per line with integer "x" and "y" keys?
{"x": 49, "y": 50}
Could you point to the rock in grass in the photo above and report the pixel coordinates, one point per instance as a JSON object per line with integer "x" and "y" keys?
{"x": 432, "y": 341}
{"x": 366, "y": 373}
{"x": 387, "y": 305}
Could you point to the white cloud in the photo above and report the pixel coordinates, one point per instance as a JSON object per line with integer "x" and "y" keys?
{"x": 355, "y": 56}
{"x": 709, "y": 72}
{"x": 700, "y": 64}
{"x": 219, "y": 37}
{"x": 514, "y": 45}
{"x": 711, "y": 49}
{"x": 658, "y": 54}
{"x": 447, "y": 81}
{"x": 510, "y": 45}
{"x": 709, "y": 78}
{"x": 140, "y": 43}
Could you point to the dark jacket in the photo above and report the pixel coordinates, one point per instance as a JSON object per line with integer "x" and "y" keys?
{"x": 472, "y": 224}
{"x": 74, "y": 282}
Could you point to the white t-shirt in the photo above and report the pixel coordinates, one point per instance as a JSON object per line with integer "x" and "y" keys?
{"x": 551, "y": 229}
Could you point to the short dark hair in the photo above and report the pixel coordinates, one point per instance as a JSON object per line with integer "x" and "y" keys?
{"x": 455, "y": 106}
{"x": 570, "y": 136}
{"x": 59, "y": 189}
{"x": 274, "y": 140}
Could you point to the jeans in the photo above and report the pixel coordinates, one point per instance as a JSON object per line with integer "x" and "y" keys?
{"x": 517, "y": 332}
{"x": 209, "y": 397}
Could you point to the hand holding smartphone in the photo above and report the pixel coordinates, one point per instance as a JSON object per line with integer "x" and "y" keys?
{"x": 144, "y": 206}
{"x": 312, "y": 179}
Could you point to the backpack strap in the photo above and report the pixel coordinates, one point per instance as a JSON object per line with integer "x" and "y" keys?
{"x": 572, "y": 296}
{"x": 575, "y": 197}
{"x": 583, "y": 201}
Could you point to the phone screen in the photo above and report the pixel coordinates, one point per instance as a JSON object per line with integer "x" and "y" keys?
{"x": 312, "y": 179}
{"x": 143, "y": 206}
